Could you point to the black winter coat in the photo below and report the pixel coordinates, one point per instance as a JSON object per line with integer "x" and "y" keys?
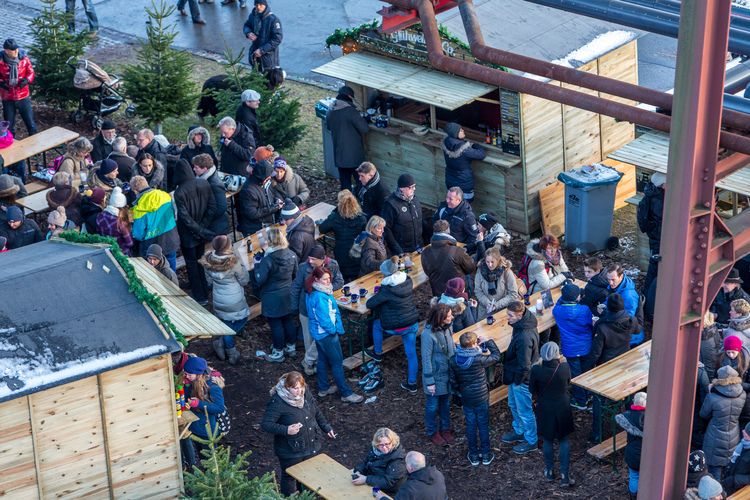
{"x": 301, "y": 236}
{"x": 387, "y": 472}
{"x": 462, "y": 221}
{"x": 523, "y": 351}
{"x": 469, "y": 378}
{"x": 372, "y": 196}
{"x": 280, "y": 415}
{"x": 272, "y": 281}
{"x": 459, "y": 154}
{"x": 255, "y": 207}
{"x": 26, "y": 234}
{"x": 348, "y": 130}
{"x": 723, "y": 301}
{"x": 650, "y": 213}
{"x": 711, "y": 347}
{"x": 345, "y": 231}
{"x": 89, "y": 212}
{"x": 124, "y": 165}
{"x": 219, "y": 224}
{"x": 155, "y": 149}
{"x": 611, "y": 338}
{"x": 427, "y": 483}
{"x": 299, "y": 294}
{"x": 738, "y": 473}
{"x": 403, "y": 223}
{"x": 442, "y": 261}
{"x": 632, "y": 421}
{"x": 189, "y": 153}
{"x": 549, "y": 383}
{"x": 595, "y": 292}
{"x": 249, "y": 118}
{"x": 100, "y": 148}
{"x": 394, "y": 305}
{"x": 196, "y": 207}
{"x": 236, "y": 155}
{"x": 267, "y": 28}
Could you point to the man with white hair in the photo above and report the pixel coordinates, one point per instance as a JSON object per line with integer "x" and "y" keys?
{"x": 247, "y": 113}
{"x": 237, "y": 145}
{"x": 422, "y": 482}
{"x": 120, "y": 156}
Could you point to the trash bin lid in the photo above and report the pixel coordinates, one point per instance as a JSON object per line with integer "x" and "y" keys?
{"x": 590, "y": 175}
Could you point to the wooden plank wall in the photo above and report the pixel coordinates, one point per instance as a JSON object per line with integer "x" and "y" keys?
{"x": 581, "y": 132}
{"x": 620, "y": 64}
{"x": 54, "y": 443}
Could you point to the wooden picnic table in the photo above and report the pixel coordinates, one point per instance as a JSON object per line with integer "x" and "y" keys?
{"x": 328, "y": 479}
{"x": 36, "y": 186}
{"x": 35, "y": 203}
{"x": 743, "y": 494}
{"x": 621, "y": 377}
{"x": 38, "y": 143}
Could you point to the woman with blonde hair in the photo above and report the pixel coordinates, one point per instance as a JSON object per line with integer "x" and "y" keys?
{"x": 494, "y": 284}
{"x": 74, "y": 160}
{"x": 272, "y": 278}
{"x": 374, "y": 251}
{"x": 384, "y": 465}
{"x": 346, "y": 222}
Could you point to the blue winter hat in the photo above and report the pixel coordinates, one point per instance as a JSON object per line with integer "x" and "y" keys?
{"x": 14, "y": 214}
{"x": 195, "y": 365}
{"x": 570, "y": 292}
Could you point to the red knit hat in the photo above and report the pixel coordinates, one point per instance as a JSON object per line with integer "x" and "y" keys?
{"x": 455, "y": 288}
{"x": 732, "y": 343}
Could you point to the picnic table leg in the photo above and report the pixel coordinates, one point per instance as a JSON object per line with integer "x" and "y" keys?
{"x": 609, "y": 410}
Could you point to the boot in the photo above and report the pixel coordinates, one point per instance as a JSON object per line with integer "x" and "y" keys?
{"x": 218, "y": 345}
{"x": 233, "y": 355}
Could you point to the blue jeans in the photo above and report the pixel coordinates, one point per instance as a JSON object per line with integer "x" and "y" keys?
{"x": 18, "y": 169}
{"x": 195, "y": 12}
{"x": 524, "y": 421}
{"x": 330, "y": 356}
{"x": 236, "y": 326}
{"x": 409, "y": 338}
{"x": 88, "y": 8}
{"x": 478, "y": 419}
{"x": 437, "y": 413}
{"x": 576, "y": 368}
{"x": 634, "y": 475}
{"x": 549, "y": 454}
{"x": 283, "y": 331}
{"x": 23, "y": 108}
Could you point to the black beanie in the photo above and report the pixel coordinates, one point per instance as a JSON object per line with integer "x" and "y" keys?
{"x": 615, "y": 303}
{"x": 406, "y": 180}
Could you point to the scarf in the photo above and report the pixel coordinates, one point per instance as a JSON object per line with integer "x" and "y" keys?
{"x": 366, "y": 187}
{"x": 555, "y": 261}
{"x": 12, "y": 69}
{"x": 327, "y": 289}
{"x": 208, "y": 173}
{"x": 490, "y": 276}
{"x": 744, "y": 445}
{"x": 283, "y": 392}
{"x": 402, "y": 196}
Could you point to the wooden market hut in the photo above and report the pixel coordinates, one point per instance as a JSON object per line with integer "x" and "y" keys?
{"x": 86, "y": 386}
{"x": 532, "y": 139}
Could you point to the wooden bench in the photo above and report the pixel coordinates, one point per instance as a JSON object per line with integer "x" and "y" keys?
{"x": 37, "y": 143}
{"x": 743, "y": 494}
{"x": 389, "y": 343}
{"x": 329, "y": 479}
{"x": 35, "y": 186}
{"x": 605, "y": 449}
{"x": 498, "y": 394}
{"x": 35, "y": 203}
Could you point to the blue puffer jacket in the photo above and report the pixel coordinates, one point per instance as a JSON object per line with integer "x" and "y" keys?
{"x": 459, "y": 154}
{"x": 324, "y": 317}
{"x": 214, "y": 407}
{"x": 630, "y": 299}
{"x": 574, "y": 322}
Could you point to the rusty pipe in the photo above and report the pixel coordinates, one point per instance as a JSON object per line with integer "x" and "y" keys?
{"x": 483, "y": 52}
{"x": 517, "y": 83}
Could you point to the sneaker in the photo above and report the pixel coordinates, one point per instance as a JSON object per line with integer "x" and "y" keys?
{"x": 438, "y": 440}
{"x": 233, "y": 356}
{"x": 579, "y": 406}
{"x": 487, "y": 459}
{"x": 308, "y": 369}
{"x": 448, "y": 436}
{"x": 370, "y": 353}
{"x": 331, "y": 390}
{"x": 549, "y": 474}
{"x": 523, "y": 448}
{"x": 366, "y": 379}
{"x": 290, "y": 349}
{"x": 371, "y": 366}
{"x": 374, "y": 383}
{"x": 353, "y": 398}
{"x": 511, "y": 438}
{"x": 473, "y": 459}
{"x": 218, "y": 345}
{"x": 566, "y": 481}
{"x": 277, "y": 356}
{"x": 409, "y": 387}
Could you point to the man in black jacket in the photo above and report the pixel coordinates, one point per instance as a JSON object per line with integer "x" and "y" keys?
{"x": 423, "y": 482}
{"x": 102, "y": 143}
{"x": 348, "y": 130}
{"x": 460, "y": 216}
{"x": 196, "y": 209}
{"x": 372, "y": 191}
{"x": 255, "y": 203}
{"x": 203, "y": 167}
{"x": 649, "y": 215}
{"x": 402, "y": 212}
{"x": 468, "y": 377}
{"x": 237, "y": 146}
{"x": 597, "y": 287}
{"x": 730, "y": 290}
{"x": 263, "y": 29}
{"x": 124, "y": 162}
{"x": 522, "y": 352}
{"x": 246, "y": 113}
{"x": 18, "y": 230}
{"x": 300, "y": 230}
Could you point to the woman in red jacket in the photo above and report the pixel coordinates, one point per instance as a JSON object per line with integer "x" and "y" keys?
{"x": 16, "y": 74}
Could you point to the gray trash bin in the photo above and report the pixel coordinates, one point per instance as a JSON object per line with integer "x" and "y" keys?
{"x": 589, "y": 206}
{"x": 321, "y": 110}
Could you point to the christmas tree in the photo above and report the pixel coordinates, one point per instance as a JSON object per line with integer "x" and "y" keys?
{"x": 160, "y": 85}
{"x": 52, "y": 48}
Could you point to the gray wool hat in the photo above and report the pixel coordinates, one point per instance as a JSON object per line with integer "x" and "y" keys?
{"x": 726, "y": 372}
{"x": 388, "y": 267}
{"x": 250, "y": 95}
{"x": 709, "y": 488}
{"x": 549, "y": 351}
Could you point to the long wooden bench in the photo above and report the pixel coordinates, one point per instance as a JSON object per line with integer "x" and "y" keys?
{"x": 743, "y": 494}
{"x": 389, "y": 343}
{"x": 604, "y": 449}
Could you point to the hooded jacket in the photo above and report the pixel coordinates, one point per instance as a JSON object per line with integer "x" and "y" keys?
{"x": 345, "y": 231}
{"x": 25, "y": 71}
{"x": 157, "y": 178}
{"x": 649, "y": 215}
{"x": 372, "y": 195}
{"x": 267, "y": 27}
{"x": 301, "y": 236}
{"x": 235, "y": 155}
{"x": 427, "y": 483}
{"x": 305, "y": 269}
{"x": 324, "y": 317}
{"x": 196, "y": 206}
{"x": 293, "y": 186}
{"x": 280, "y": 415}
{"x": 437, "y": 348}
{"x": 459, "y": 154}
{"x": 443, "y": 260}
{"x": 632, "y": 422}
{"x": 542, "y": 274}
{"x": 386, "y": 471}
{"x": 229, "y": 279}
{"x": 219, "y": 224}
{"x": 255, "y": 206}
{"x": 631, "y": 300}
{"x": 394, "y": 303}
{"x": 523, "y": 350}
{"x": 154, "y": 221}
{"x": 249, "y": 118}
{"x": 462, "y": 221}
{"x": 576, "y": 329}
{"x": 191, "y": 150}
{"x": 722, "y": 407}
{"x": 348, "y": 130}
{"x": 272, "y": 281}
{"x": 611, "y": 337}
{"x": 596, "y": 291}
{"x": 26, "y": 234}
{"x": 494, "y": 295}
{"x": 468, "y": 376}
{"x": 403, "y": 223}
{"x": 66, "y": 196}
{"x": 159, "y": 152}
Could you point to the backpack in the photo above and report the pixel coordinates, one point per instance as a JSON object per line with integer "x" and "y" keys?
{"x": 56, "y": 164}
{"x": 355, "y": 252}
{"x": 522, "y": 277}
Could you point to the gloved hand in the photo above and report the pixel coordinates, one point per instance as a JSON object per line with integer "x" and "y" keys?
{"x": 296, "y": 200}
{"x": 23, "y": 82}
{"x": 193, "y": 402}
{"x": 568, "y": 275}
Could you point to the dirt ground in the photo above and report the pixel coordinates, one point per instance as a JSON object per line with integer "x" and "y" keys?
{"x": 248, "y": 383}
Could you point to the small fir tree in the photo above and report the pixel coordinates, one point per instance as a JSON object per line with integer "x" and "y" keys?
{"x": 52, "y": 47}
{"x": 279, "y": 113}
{"x": 160, "y": 85}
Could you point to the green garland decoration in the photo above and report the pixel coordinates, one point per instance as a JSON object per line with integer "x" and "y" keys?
{"x": 135, "y": 285}
{"x": 339, "y": 35}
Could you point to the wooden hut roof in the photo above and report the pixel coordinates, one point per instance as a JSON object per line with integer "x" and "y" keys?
{"x": 67, "y": 314}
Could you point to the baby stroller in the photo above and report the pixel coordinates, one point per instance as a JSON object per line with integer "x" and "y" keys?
{"x": 99, "y": 95}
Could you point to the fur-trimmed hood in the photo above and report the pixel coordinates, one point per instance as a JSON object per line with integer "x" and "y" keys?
{"x": 211, "y": 261}
{"x": 63, "y": 197}
{"x": 533, "y": 250}
{"x": 740, "y": 324}
{"x": 730, "y": 387}
{"x": 454, "y": 148}
{"x": 198, "y": 130}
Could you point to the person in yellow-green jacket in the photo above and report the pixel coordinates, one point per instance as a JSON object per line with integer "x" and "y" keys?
{"x": 154, "y": 220}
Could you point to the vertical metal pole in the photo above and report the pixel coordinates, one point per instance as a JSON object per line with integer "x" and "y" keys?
{"x": 684, "y": 290}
